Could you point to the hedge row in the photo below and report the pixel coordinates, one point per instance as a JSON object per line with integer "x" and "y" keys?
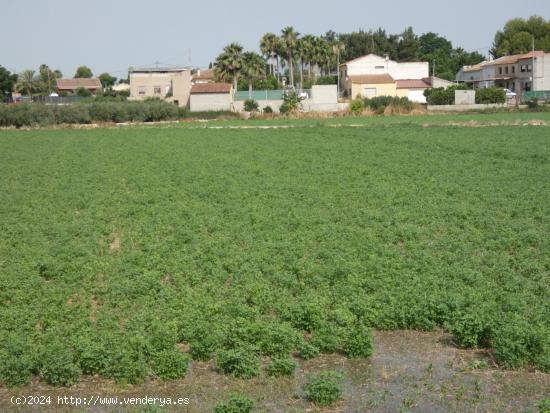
{"x": 442, "y": 96}
{"x": 82, "y": 113}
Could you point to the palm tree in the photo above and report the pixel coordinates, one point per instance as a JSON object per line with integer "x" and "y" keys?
{"x": 26, "y": 82}
{"x": 253, "y": 68}
{"x": 301, "y": 52}
{"x": 268, "y": 46}
{"x": 229, "y": 64}
{"x": 289, "y": 37}
{"x": 338, "y": 48}
{"x": 307, "y": 43}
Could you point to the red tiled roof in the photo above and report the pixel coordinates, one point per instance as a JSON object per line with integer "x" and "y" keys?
{"x": 371, "y": 79}
{"x": 205, "y": 74}
{"x": 211, "y": 88}
{"x": 412, "y": 84}
{"x": 73, "y": 84}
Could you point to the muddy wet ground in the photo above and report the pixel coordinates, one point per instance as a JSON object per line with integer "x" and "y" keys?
{"x": 409, "y": 372}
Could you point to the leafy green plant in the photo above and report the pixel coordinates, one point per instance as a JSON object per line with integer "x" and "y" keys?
{"x": 169, "y": 364}
{"x": 237, "y": 403}
{"x": 307, "y": 350}
{"x": 281, "y": 367}
{"x": 325, "y": 388}
{"x": 490, "y": 95}
{"x": 250, "y": 105}
{"x": 57, "y": 365}
{"x": 291, "y": 103}
{"x": 358, "y": 342}
{"x": 357, "y": 106}
{"x": 543, "y": 406}
{"x": 241, "y": 363}
{"x": 267, "y": 110}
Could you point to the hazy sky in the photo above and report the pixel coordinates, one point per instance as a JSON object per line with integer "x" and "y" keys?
{"x": 111, "y": 35}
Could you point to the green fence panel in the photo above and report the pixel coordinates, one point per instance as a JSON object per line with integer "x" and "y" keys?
{"x": 538, "y": 94}
{"x": 259, "y": 95}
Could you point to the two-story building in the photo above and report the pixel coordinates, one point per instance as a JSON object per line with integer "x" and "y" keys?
{"x": 373, "y": 75}
{"x": 519, "y": 73}
{"x": 168, "y": 83}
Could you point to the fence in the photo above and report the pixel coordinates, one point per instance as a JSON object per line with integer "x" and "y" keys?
{"x": 538, "y": 94}
{"x": 259, "y": 95}
{"x": 57, "y": 100}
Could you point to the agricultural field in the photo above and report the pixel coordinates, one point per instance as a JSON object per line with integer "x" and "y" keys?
{"x": 243, "y": 256}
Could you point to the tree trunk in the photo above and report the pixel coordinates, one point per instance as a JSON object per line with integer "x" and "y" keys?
{"x": 250, "y": 89}
{"x": 301, "y": 74}
{"x": 291, "y": 68}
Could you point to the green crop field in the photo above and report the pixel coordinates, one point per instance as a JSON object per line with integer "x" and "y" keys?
{"x": 125, "y": 253}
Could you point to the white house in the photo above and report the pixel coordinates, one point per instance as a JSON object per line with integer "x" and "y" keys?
{"x": 373, "y": 75}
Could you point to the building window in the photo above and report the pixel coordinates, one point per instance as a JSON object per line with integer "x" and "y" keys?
{"x": 141, "y": 90}
{"x": 500, "y": 70}
{"x": 506, "y": 69}
{"x": 513, "y": 69}
{"x": 369, "y": 92}
{"x": 379, "y": 67}
{"x": 527, "y": 86}
{"x": 529, "y": 68}
{"x": 157, "y": 90}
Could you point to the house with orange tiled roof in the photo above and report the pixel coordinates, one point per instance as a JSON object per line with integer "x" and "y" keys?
{"x": 372, "y": 75}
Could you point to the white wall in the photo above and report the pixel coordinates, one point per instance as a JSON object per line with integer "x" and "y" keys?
{"x": 201, "y": 102}
{"x": 372, "y": 65}
{"x": 324, "y": 94}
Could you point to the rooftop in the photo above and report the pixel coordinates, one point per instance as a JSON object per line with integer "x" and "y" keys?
{"x": 211, "y": 88}
{"x": 157, "y": 69}
{"x": 412, "y": 84}
{"x": 73, "y": 84}
{"x": 372, "y": 79}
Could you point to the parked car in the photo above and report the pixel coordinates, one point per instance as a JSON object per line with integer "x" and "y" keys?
{"x": 510, "y": 94}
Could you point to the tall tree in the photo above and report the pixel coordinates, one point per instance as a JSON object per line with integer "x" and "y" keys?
{"x": 47, "y": 79}
{"x": 229, "y": 64}
{"x": 289, "y": 37}
{"x": 107, "y": 81}
{"x": 408, "y": 47}
{"x": 83, "y": 72}
{"x": 517, "y": 36}
{"x": 253, "y": 68}
{"x": 27, "y": 82}
{"x": 268, "y": 47}
{"x": 7, "y": 82}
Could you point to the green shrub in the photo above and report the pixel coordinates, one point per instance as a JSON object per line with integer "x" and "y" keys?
{"x": 326, "y": 80}
{"x": 16, "y": 363}
{"x": 57, "y": 365}
{"x": 291, "y": 103}
{"x": 83, "y": 92}
{"x": 533, "y": 104}
{"x": 281, "y": 367}
{"x": 72, "y": 114}
{"x": 92, "y": 356}
{"x": 268, "y": 109}
{"x": 357, "y": 106}
{"x": 169, "y": 364}
{"x": 543, "y": 406}
{"x": 358, "y": 342}
{"x": 250, "y": 105}
{"x": 442, "y": 96}
{"x": 307, "y": 350}
{"x": 518, "y": 343}
{"x": 236, "y": 404}
{"x": 470, "y": 330}
{"x": 240, "y": 362}
{"x": 277, "y": 339}
{"x": 325, "y": 388}
{"x": 379, "y": 104}
{"x": 328, "y": 338}
{"x": 490, "y": 95}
